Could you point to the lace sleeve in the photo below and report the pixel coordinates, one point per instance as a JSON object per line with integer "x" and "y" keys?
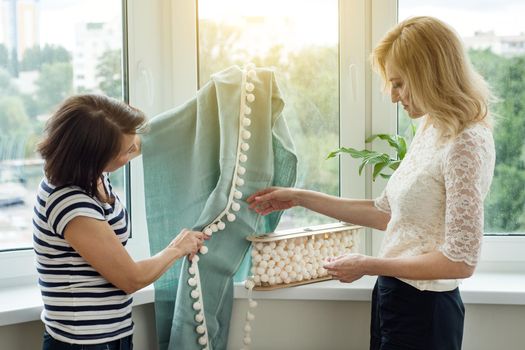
{"x": 467, "y": 171}
{"x": 382, "y": 203}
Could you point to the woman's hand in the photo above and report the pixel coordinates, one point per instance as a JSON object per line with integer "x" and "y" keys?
{"x": 273, "y": 199}
{"x": 346, "y": 268}
{"x": 188, "y": 242}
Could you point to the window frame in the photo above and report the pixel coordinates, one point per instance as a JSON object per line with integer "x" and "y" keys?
{"x": 162, "y": 72}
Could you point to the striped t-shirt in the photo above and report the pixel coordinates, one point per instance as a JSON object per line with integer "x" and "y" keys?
{"x": 80, "y": 306}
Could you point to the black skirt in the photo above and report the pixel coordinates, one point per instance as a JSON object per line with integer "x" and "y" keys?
{"x": 405, "y": 318}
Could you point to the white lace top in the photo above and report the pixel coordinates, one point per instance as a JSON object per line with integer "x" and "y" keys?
{"x": 435, "y": 199}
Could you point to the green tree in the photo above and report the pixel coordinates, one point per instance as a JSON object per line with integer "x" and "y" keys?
{"x": 109, "y": 73}
{"x": 13, "y": 118}
{"x": 54, "y": 85}
{"x": 35, "y": 57}
{"x": 218, "y": 48}
{"x": 6, "y": 85}
{"x": 505, "y": 204}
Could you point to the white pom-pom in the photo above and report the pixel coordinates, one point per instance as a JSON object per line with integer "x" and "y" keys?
{"x": 246, "y": 122}
{"x": 247, "y": 111}
{"x": 245, "y": 146}
{"x": 192, "y": 282}
{"x": 249, "y": 87}
{"x": 246, "y": 134}
{"x": 200, "y": 329}
{"x": 203, "y": 340}
{"x": 257, "y": 279}
{"x": 267, "y": 249}
{"x": 263, "y": 264}
{"x": 214, "y": 227}
{"x": 240, "y": 182}
{"x": 208, "y": 231}
{"x": 271, "y": 280}
{"x": 265, "y": 278}
{"x": 247, "y": 327}
{"x": 253, "y": 304}
{"x": 250, "y": 97}
{"x": 252, "y": 73}
{"x": 249, "y": 284}
{"x": 243, "y": 158}
{"x": 191, "y": 270}
{"x": 257, "y": 258}
{"x": 247, "y": 340}
{"x": 197, "y": 306}
{"x": 203, "y": 250}
{"x": 237, "y": 194}
{"x": 195, "y": 259}
{"x": 241, "y": 170}
{"x": 221, "y": 225}
{"x": 199, "y": 317}
{"x": 260, "y": 270}
{"x": 236, "y": 206}
{"x": 231, "y": 217}
{"x": 250, "y": 316}
{"x": 195, "y": 294}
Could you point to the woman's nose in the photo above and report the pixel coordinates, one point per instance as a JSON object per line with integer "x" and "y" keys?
{"x": 394, "y": 95}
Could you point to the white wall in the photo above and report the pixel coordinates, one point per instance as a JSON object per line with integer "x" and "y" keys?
{"x": 305, "y": 325}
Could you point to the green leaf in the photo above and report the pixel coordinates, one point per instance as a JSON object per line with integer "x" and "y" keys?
{"x": 395, "y": 141}
{"x": 394, "y": 165}
{"x": 385, "y": 176}
{"x": 402, "y": 151}
{"x": 352, "y": 152}
{"x": 377, "y": 169}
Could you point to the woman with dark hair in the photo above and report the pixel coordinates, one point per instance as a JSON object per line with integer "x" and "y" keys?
{"x": 80, "y": 226}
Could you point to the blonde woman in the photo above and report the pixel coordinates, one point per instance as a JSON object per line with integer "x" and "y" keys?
{"x": 432, "y": 207}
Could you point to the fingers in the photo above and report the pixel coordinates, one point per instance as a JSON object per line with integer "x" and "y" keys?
{"x": 259, "y": 194}
{"x": 262, "y": 208}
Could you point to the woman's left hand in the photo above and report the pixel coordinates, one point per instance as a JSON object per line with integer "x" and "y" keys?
{"x": 346, "y": 268}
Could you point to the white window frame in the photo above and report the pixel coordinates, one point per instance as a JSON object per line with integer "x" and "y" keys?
{"x": 163, "y": 72}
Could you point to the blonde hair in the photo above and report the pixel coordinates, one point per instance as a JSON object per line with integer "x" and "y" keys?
{"x": 437, "y": 74}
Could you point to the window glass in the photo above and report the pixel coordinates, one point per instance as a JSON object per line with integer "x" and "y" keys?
{"x": 493, "y": 32}
{"x": 300, "y": 40}
{"x": 49, "y": 50}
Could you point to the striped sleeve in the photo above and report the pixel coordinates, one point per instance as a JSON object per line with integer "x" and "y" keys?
{"x": 66, "y": 204}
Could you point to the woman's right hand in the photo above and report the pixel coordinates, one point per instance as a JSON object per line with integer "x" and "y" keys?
{"x": 188, "y": 242}
{"x": 273, "y": 199}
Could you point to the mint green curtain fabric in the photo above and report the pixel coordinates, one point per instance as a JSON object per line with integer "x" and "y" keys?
{"x": 189, "y": 157}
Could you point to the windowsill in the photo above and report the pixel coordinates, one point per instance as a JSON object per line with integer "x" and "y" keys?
{"x": 24, "y": 303}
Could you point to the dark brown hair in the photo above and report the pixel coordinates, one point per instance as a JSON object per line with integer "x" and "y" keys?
{"x": 83, "y": 136}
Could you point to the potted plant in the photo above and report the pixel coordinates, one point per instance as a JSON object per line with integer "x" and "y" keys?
{"x": 381, "y": 162}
